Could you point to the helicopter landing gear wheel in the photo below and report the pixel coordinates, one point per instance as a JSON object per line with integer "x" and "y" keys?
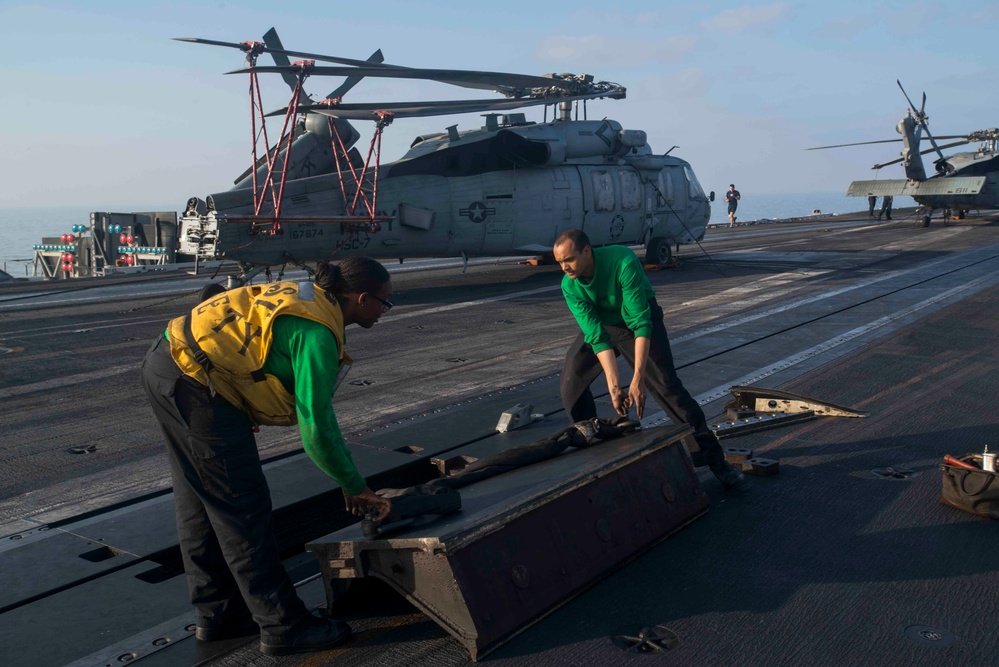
{"x": 658, "y": 251}
{"x": 924, "y": 222}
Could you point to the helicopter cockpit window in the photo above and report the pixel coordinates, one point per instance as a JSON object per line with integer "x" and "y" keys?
{"x": 603, "y": 190}
{"x": 666, "y": 188}
{"x": 696, "y": 191}
{"x": 631, "y": 191}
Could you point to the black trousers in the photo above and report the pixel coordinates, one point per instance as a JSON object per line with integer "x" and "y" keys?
{"x": 582, "y": 367}
{"x": 224, "y": 518}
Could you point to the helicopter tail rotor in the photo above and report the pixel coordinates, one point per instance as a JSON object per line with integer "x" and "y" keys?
{"x": 922, "y": 119}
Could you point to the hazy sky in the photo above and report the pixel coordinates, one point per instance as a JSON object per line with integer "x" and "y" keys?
{"x": 100, "y": 108}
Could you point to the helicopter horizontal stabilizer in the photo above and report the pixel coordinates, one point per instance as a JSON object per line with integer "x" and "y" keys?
{"x": 960, "y": 185}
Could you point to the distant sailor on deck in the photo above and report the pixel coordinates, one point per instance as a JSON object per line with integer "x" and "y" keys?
{"x": 267, "y": 354}
{"x": 732, "y": 197}
{"x": 886, "y": 204}
{"x": 615, "y": 306}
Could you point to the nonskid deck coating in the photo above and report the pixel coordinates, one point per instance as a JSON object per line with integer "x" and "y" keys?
{"x": 582, "y": 646}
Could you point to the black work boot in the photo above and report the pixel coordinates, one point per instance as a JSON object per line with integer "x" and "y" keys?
{"x": 727, "y": 474}
{"x": 310, "y": 634}
{"x": 227, "y": 620}
{"x": 209, "y": 631}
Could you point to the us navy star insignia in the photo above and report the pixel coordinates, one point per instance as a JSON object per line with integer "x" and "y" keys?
{"x": 477, "y": 211}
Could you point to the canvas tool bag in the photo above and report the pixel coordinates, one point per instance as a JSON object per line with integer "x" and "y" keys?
{"x": 973, "y": 491}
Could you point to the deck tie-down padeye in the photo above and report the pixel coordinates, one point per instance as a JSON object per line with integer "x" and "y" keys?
{"x": 527, "y": 541}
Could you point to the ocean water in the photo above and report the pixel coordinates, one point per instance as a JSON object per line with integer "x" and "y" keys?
{"x": 759, "y": 206}
{"x": 21, "y": 228}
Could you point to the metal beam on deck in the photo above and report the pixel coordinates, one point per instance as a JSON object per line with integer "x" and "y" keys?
{"x": 527, "y": 541}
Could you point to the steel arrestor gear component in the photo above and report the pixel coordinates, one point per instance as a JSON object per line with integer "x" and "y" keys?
{"x": 487, "y": 572}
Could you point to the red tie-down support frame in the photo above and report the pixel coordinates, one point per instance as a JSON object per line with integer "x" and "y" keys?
{"x": 364, "y": 181}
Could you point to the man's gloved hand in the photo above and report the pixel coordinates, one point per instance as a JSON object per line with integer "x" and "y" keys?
{"x": 368, "y": 501}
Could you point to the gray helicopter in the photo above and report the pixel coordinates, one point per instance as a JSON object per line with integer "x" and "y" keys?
{"x": 963, "y": 181}
{"x": 507, "y": 188}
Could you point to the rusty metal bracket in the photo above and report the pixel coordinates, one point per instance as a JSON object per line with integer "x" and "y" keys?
{"x": 773, "y": 400}
{"x": 755, "y": 409}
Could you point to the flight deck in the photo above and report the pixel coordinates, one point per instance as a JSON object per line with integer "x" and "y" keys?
{"x": 844, "y": 557}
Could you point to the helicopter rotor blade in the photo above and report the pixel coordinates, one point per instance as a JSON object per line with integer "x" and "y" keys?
{"x": 928, "y": 150}
{"x": 462, "y": 78}
{"x": 921, "y": 117}
{"x": 242, "y": 46}
{"x": 440, "y": 107}
{"x": 885, "y": 141}
{"x": 351, "y": 81}
{"x": 919, "y": 114}
{"x": 373, "y": 111}
{"x": 276, "y": 49}
{"x": 885, "y": 164}
{"x": 497, "y": 80}
{"x": 245, "y": 47}
{"x": 857, "y": 143}
{"x": 950, "y": 145}
{"x": 935, "y": 149}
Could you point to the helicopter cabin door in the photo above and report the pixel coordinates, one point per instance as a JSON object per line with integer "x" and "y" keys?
{"x": 498, "y": 227}
{"x": 612, "y": 204}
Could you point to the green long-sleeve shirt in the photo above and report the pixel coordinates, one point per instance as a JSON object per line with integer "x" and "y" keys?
{"x": 304, "y": 357}
{"x": 618, "y": 293}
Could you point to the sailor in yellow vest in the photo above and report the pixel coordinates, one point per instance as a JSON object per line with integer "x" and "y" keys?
{"x": 262, "y": 354}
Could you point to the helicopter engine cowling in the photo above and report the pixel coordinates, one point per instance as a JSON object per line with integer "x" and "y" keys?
{"x": 319, "y": 124}
{"x": 633, "y": 138}
{"x": 554, "y": 144}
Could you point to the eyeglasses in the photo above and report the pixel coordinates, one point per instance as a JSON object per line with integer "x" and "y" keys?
{"x": 388, "y": 304}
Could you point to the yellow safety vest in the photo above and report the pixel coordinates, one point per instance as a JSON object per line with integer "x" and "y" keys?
{"x": 235, "y": 332}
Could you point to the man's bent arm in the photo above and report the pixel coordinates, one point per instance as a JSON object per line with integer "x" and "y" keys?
{"x": 636, "y": 392}
{"x": 608, "y": 361}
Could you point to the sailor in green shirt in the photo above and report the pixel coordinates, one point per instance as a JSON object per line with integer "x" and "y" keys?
{"x": 236, "y": 581}
{"x": 611, "y": 298}
{"x": 304, "y": 357}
